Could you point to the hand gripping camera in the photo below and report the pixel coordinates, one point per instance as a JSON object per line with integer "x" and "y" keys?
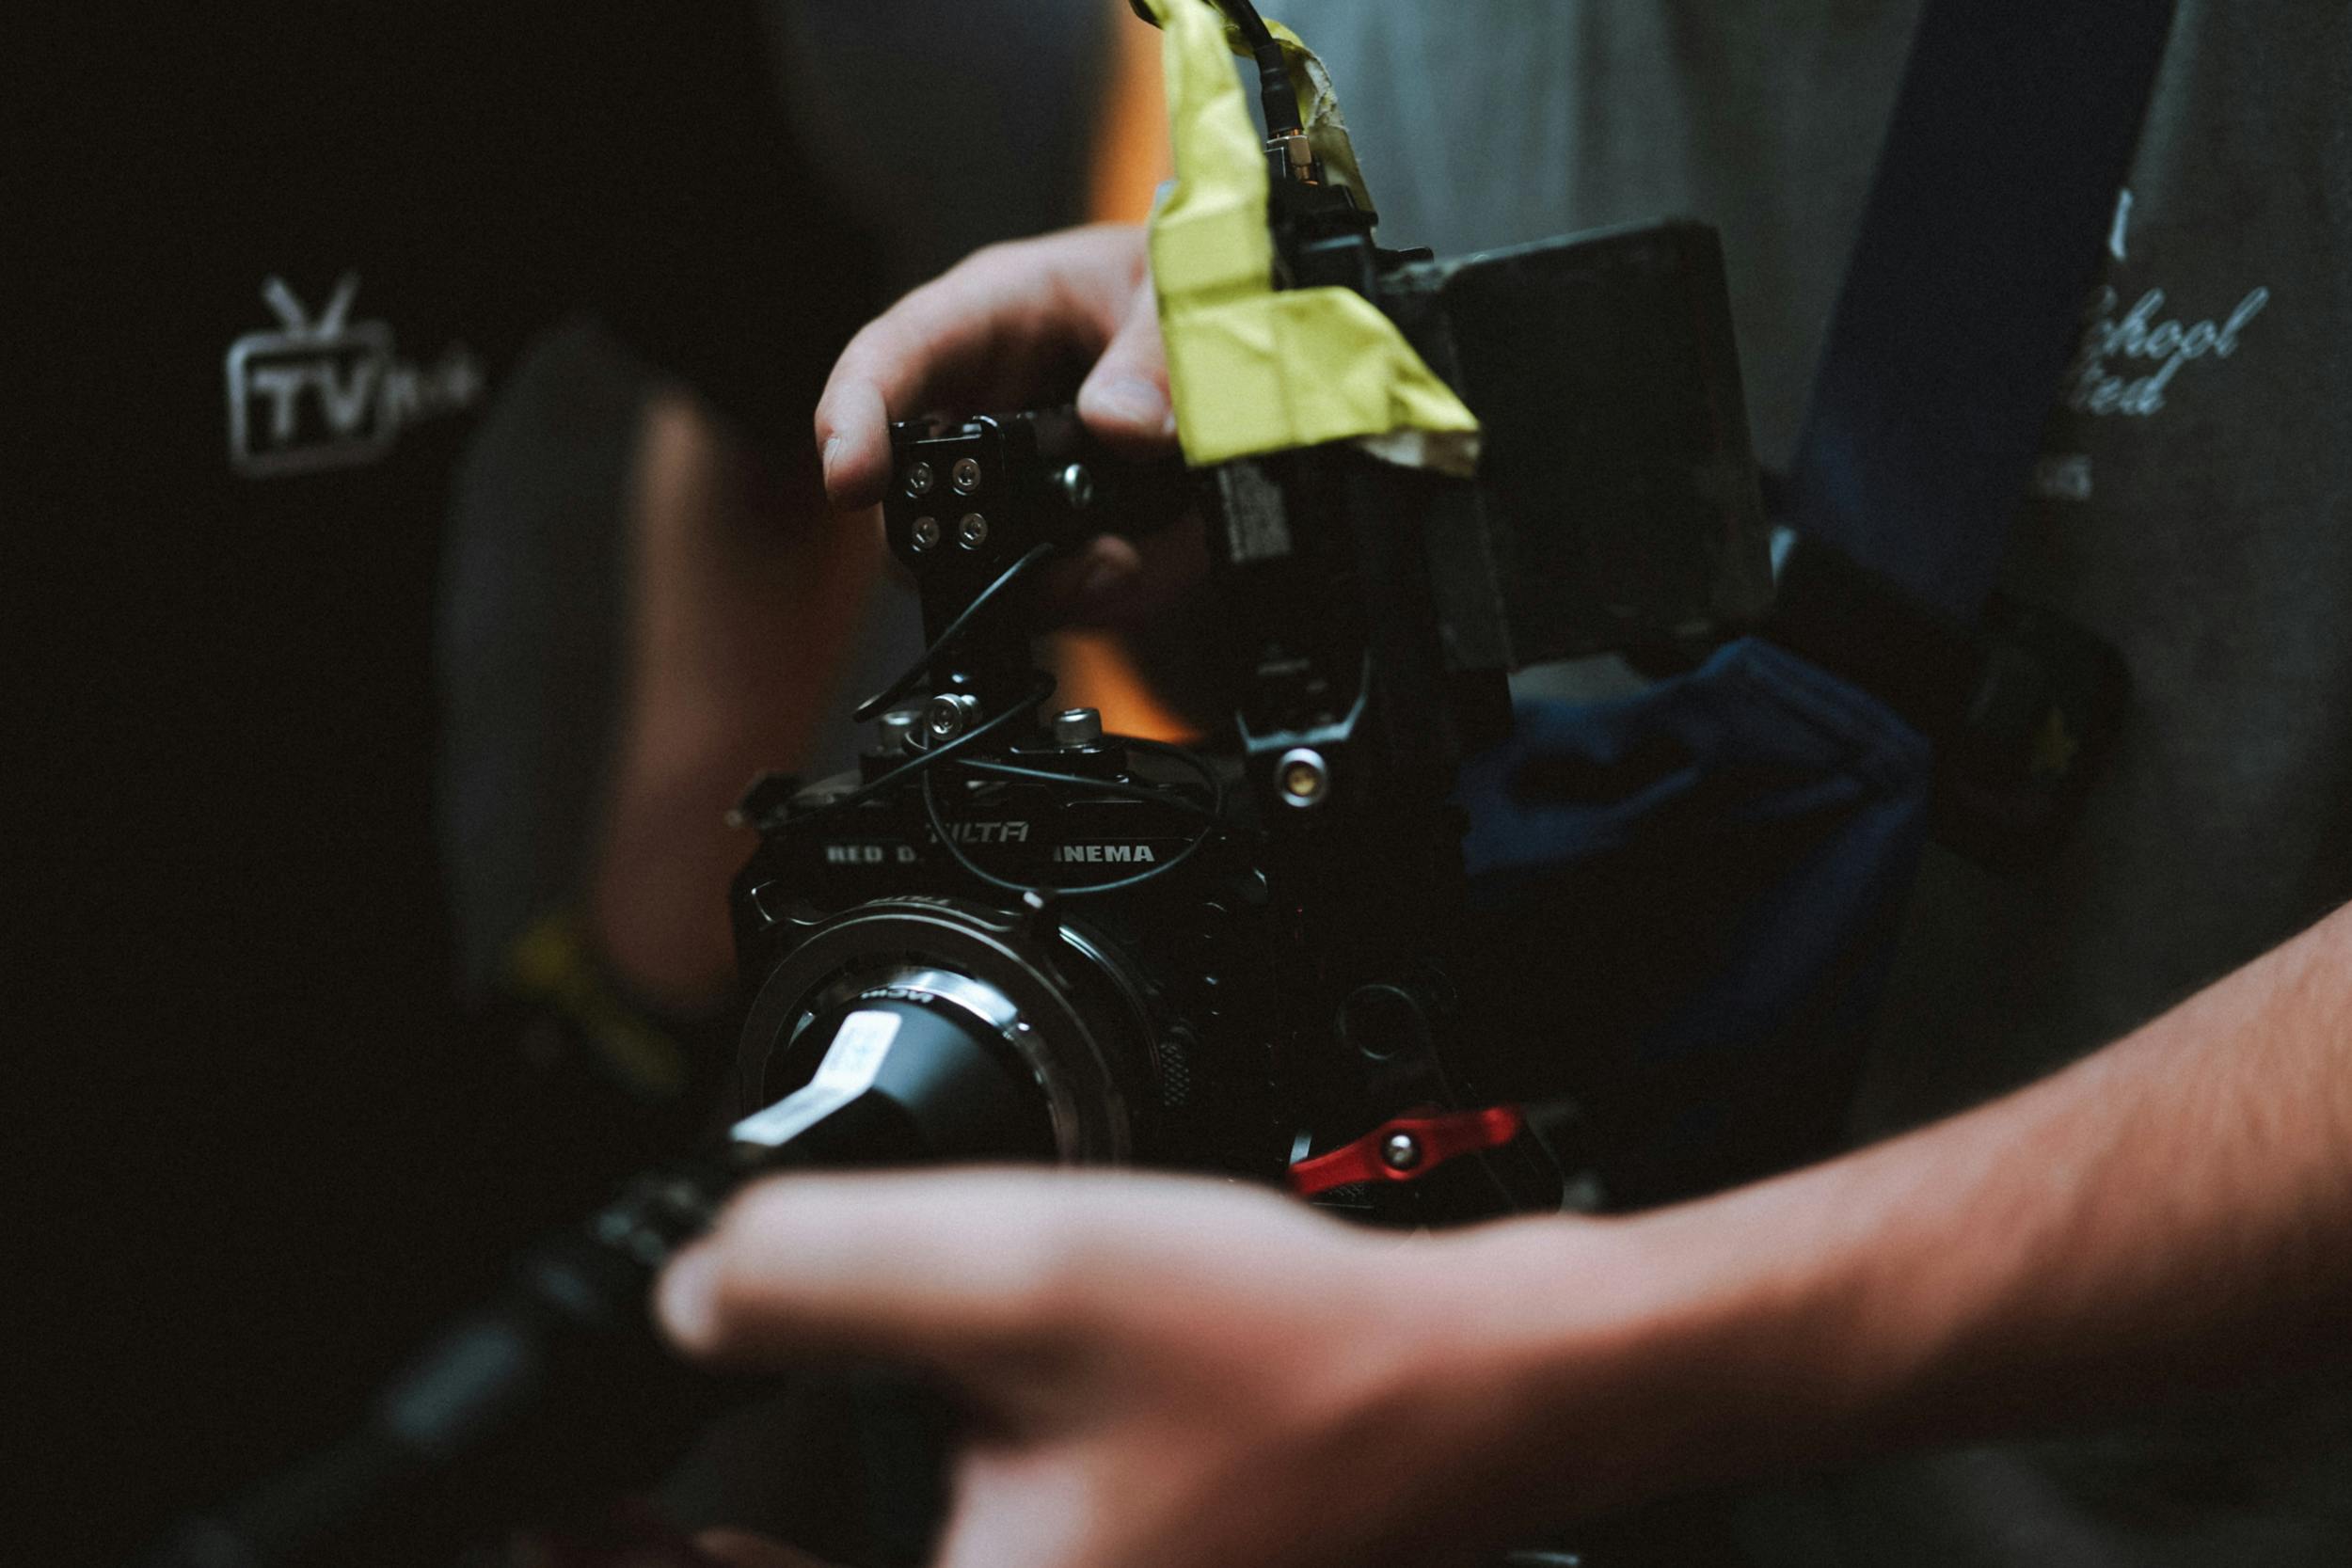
{"x": 1248, "y": 956}
{"x": 1242, "y": 958}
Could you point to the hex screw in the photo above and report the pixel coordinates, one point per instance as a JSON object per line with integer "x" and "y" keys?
{"x": 920, "y": 479}
{"x": 949, "y": 715}
{"x": 966, "y": 475}
{"x": 972, "y": 533}
{"x": 927, "y": 534}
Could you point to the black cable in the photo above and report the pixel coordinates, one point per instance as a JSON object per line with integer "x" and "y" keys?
{"x": 930, "y": 656}
{"x": 955, "y": 852}
{"x": 1155, "y": 794}
{"x": 933, "y": 755}
{"x": 1204, "y": 770}
{"x": 1201, "y": 768}
{"x": 1274, "y": 77}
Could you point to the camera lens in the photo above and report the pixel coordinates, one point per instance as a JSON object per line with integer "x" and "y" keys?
{"x": 946, "y": 1086}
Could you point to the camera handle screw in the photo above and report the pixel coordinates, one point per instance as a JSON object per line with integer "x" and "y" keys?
{"x": 1400, "y": 1151}
{"x": 966, "y": 475}
{"x": 927, "y": 533}
{"x": 973, "y": 532}
{"x": 919, "y": 480}
{"x": 1303, "y": 777}
{"x": 949, "y": 715}
{"x": 1077, "y": 726}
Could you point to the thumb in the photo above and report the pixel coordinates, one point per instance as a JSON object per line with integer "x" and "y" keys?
{"x": 1125, "y": 401}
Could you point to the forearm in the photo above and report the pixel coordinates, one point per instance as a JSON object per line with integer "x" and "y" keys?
{"x": 2173, "y": 1211}
{"x": 744, "y": 598}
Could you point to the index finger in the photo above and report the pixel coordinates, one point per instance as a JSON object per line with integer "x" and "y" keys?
{"x": 913, "y": 1268}
{"x": 987, "y": 330}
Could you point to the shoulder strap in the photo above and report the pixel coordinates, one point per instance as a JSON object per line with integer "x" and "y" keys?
{"x": 1993, "y": 195}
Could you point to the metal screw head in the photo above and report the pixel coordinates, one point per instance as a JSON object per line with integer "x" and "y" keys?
{"x": 1400, "y": 1151}
{"x": 920, "y": 479}
{"x": 966, "y": 475}
{"x": 1302, "y": 777}
{"x": 949, "y": 715}
{"x": 1077, "y": 726}
{"x": 972, "y": 533}
{"x": 927, "y": 533}
{"x": 1077, "y": 486}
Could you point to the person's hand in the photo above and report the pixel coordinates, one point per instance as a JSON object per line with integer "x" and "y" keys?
{"x": 1009, "y": 327}
{"x": 1160, "y": 1372}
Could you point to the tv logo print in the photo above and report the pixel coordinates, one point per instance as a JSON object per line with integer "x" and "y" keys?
{"x": 328, "y": 392}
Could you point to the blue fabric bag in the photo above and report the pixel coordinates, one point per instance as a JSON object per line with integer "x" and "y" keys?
{"x": 1720, "y": 863}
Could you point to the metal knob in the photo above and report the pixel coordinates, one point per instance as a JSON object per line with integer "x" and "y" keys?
{"x": 1077, "y": 726}
{"x": 895, "y": 731}
{"x": 1302, "y": 777}
{"x": 949, "y": 715}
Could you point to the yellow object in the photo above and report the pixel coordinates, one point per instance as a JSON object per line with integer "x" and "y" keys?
{"x": 1252, "y": 369}
{"x": 551, "y": 964}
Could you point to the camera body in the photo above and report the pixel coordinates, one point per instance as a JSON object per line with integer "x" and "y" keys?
{"x": 1244, "y": 957}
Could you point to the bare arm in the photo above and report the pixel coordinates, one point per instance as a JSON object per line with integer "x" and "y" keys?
{"x": 2172, "y": 1213}
{"x": 743, "y": 600}
{"x": 1172, "y": 1372}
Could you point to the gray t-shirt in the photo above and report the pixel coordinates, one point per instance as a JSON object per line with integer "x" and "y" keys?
{"x": 2194, "y": 507}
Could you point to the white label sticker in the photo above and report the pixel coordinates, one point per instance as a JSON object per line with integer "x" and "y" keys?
{"x": 851, "y": 1066}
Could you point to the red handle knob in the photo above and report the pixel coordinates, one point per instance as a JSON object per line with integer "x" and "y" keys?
{"x": 1408, "y": 1148}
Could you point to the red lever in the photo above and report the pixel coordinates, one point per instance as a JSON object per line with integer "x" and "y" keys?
{"x": 1406, "y": 1147}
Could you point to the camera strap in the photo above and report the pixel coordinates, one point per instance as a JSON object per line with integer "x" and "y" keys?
{"x": 2011, "y": 137}
{"x": 1993, "y": 198}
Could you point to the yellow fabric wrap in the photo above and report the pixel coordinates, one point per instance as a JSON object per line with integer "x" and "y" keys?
{"x": 1251, "y": 369}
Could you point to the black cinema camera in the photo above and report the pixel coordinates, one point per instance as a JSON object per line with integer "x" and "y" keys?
{"x": 1241, "y": 958}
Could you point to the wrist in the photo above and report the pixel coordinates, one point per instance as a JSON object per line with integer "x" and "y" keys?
{"x": 1691, "y": 1347}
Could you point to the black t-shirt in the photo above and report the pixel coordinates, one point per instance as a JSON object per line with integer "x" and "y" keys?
{"x": 271, "y": 269}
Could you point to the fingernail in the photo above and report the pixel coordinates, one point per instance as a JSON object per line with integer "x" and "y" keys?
{"x": 1136, "y": 402}
{"x": 824, "y": 460}
{"x": 687, "y": 1296}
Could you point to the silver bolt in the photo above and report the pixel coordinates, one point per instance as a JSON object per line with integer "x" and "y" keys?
{"x": 927, "y": 534}
{"x": 896, "y": 731}
{"x": 1400, "y": 1151}
{"x": 920, "y": 479}
{"x": 973, "y": 532}
{"x": 1077, "y": 486}
{"x": 950, "y": 715}
{"x": 1078, "y": 726}
{"x": 966, "y": 475}
{"x": 1302, "y": 778}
